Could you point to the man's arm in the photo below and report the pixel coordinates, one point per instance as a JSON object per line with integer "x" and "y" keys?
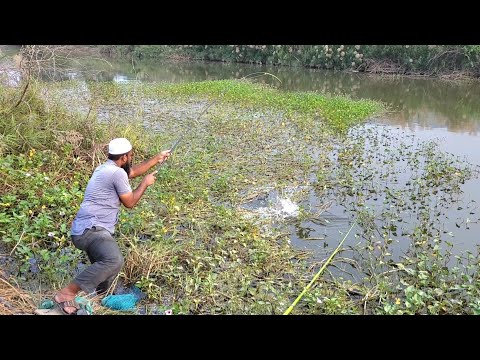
{"x": 131, "y": 198}
{"x": 143, "y": 167}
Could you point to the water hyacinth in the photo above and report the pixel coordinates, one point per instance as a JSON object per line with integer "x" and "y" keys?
{"x": 229, "y": 134}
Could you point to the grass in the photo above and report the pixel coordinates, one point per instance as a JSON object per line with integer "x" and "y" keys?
{"x": 189, "y": 244}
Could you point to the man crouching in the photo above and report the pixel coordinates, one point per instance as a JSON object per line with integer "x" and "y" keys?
{"x": 93, "y": 227}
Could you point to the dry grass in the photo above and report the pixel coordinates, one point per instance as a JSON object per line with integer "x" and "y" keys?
{"x": 142, "y": 261}
{"x": 461, "y": 75}
{"x": 382, "y": 67}
{"x": 13, "y": 300}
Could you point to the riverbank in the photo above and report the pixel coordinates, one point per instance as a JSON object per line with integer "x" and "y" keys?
{"x": 189, "y": 245}
{"x": 215, "y": 236}
{"x": 452, "y": 62}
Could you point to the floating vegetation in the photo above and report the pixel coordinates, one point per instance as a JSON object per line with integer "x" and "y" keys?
{"x": 407, "y": 197}
{"x": 214, "y": 234}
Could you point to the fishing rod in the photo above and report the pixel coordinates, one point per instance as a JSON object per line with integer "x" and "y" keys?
{"x": 255, "y": 74}
{"x": 172, "y": 149}
{"x": 252, "y": 75}
{"x": 174, "y": 146}
{"x": 290, "y": 308}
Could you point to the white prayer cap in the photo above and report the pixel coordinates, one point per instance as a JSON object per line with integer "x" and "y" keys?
{"x": 119, "y": 146}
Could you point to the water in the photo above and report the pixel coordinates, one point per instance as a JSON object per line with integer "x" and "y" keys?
{"x": 272, "y": 205}
{"x": 423, "y": 108}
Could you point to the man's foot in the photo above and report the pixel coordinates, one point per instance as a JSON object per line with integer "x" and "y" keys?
{"x": 66, "y": 303}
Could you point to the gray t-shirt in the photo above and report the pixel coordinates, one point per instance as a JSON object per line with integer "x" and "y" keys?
{"x": 101, "y": 203}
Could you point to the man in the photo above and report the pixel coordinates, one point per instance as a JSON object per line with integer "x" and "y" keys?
{"x": 93, "y": 227}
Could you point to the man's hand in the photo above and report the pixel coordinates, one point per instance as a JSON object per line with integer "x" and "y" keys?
{"x": 163, "y": 156}
{"x": 142, "y": 168}
{"x": 131, "y": 198}
{"x": 150, "y": 178}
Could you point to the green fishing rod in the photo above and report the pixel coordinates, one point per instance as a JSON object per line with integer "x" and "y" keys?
{"x": 337, "y": 249}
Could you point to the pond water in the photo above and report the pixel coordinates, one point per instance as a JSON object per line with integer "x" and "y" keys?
{"x": 421, "y": 110}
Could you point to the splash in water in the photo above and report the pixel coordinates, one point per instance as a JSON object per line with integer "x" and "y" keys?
{"x": 276, "y": 207}
{"x": 280, "y": 208}
{"x": 288, "y": 207}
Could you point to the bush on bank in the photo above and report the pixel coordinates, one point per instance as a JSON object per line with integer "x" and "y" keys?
{"x": 431, "y": 60}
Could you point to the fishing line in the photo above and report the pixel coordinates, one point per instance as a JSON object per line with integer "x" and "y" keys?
{"x": 209, "y": 105}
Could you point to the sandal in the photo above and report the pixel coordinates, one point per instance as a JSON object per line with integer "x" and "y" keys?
{"x": 82, "y": 306}
{"x": 70, "y": 303}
